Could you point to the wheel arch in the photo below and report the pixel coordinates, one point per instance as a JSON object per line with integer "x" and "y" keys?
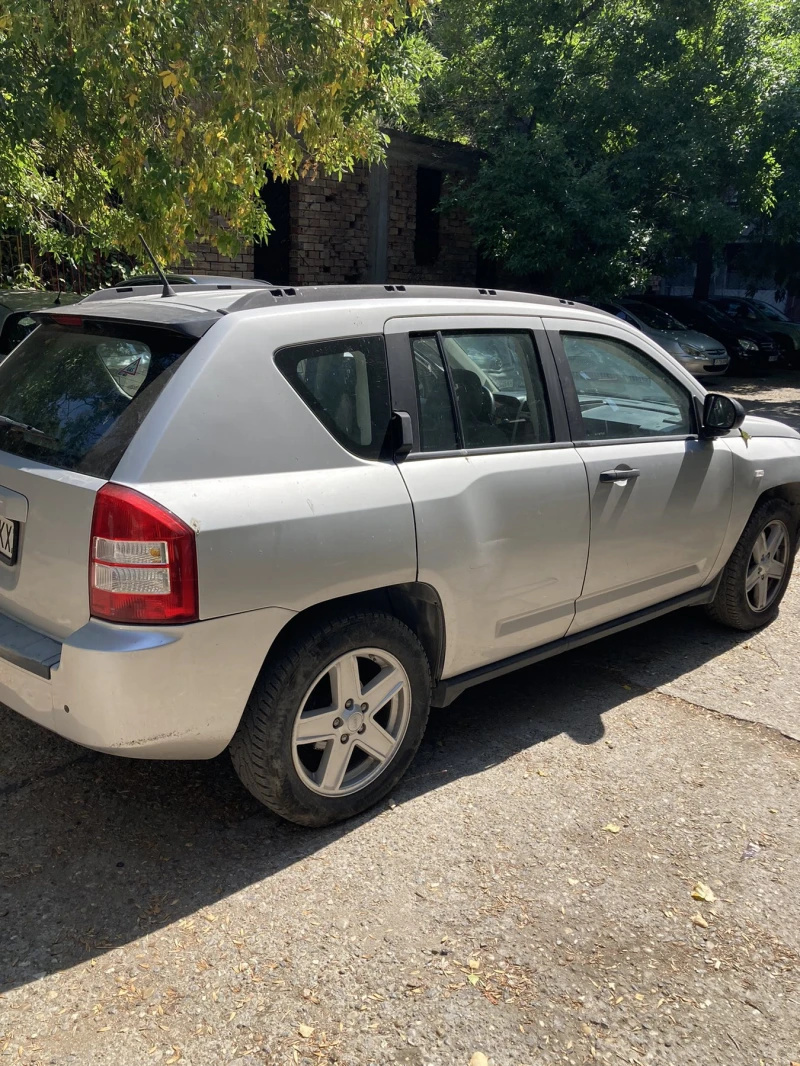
{"x": 789, "y": 492}
{"x": 414, "y": 603}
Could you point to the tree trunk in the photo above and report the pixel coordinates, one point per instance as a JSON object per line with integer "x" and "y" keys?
{"x": 704, "y": 258}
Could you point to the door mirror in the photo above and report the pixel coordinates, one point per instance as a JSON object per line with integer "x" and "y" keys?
{"x": 720, "y": 414}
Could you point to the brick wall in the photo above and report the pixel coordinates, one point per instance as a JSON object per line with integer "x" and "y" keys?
{"x": 457, "y": 261}
{"x": 329, "y": 229}
{"x": 207, "y": 260}
{"x": 329, "y": 224}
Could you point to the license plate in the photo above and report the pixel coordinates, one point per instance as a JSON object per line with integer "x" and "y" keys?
{"x": 773, "y": 359}
{"x": 719, "y": 362}
{"x": 8, "y": 541}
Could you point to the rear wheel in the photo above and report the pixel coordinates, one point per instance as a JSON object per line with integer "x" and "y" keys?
{"x": 756, "y": 575}
{"x": 334, "y": 719}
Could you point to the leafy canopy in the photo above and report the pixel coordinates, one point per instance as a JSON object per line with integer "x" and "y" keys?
{"x": 619, "y": 133}
{"x": 160, "y": 116}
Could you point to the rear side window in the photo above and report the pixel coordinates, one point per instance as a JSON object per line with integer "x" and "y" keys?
{"x": 73, "y": 397}
{"x": 346, "y": 385}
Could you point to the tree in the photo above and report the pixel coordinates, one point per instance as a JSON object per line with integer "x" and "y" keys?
{"x": 162, "y": 116}
{"x": 618, "y": 133}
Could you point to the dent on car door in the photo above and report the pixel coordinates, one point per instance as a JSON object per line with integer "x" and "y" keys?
{"x": 499, "y": 493}
{"x": 660, "y": 496}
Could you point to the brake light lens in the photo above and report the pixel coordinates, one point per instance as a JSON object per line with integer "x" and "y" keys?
{"x": 143, "y": 561}
{"x": 67, "y": 320}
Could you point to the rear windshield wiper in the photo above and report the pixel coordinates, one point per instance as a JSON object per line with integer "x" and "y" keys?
{"x": 23, "y": 427}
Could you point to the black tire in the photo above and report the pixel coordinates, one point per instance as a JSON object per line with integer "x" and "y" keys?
{"x": 731, "y": 605}
{"x": 262, "y": 748}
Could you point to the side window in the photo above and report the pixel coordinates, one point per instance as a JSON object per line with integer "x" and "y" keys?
{"x": 623, "y": 393}
{"x": 437, "y": 425}
{"x": 346, "y": 385}
{"x": 499, "y": 388}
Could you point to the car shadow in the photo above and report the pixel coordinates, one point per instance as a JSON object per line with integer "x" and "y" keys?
{"x": 96, "y": 851}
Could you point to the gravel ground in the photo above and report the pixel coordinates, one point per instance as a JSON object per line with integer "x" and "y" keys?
{"x": 528, "y": 894}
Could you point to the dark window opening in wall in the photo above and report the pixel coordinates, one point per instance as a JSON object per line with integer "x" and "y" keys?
{"x": 429, "y": 196}
{"x": 271, "y": 257}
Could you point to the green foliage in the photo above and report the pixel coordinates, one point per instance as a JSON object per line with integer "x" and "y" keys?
{"x": 160, "y": 116}
{"x": 619, "y": 133}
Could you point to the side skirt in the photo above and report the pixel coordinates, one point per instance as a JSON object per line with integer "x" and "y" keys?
{"x": 450, "y": 688}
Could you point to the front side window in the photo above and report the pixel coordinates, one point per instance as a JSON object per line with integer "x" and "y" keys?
{"x": 346, "y": 385}
{"x": 623, "y": 393}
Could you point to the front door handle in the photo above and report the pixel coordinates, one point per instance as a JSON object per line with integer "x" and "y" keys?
{"x": 619, "y": 475}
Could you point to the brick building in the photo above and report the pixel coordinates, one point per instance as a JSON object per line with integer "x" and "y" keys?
{"x": 378, "y": 224}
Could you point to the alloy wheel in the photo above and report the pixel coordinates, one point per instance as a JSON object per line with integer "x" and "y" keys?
{"x": 351, "y": 722}
{"x": 767, "y": 565}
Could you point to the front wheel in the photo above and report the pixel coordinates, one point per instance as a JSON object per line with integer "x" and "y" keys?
{"x": 755, "y": 577}
{"x": 335, "y": 719}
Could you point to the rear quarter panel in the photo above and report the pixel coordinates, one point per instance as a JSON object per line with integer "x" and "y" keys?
{"x": 284, "y": 515}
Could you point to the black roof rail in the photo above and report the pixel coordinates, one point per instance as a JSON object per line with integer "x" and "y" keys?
{"x": 285, "y": 296}
{"x": 186, "y": 284}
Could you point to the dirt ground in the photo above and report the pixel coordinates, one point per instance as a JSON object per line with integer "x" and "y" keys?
{"x": 593, "y": 860}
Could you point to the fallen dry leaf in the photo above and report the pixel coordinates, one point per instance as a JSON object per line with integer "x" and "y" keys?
{"x": 703, "y": 892}
{"x": 174, "y": 1057}
{"x": 479, "y": 1059}
{"x": 611, "y": 828}
{"x": 305, "y": 1031}
{"x": 698, "y": 919}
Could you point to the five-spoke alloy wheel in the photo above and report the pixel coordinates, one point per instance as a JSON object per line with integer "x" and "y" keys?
{"x": 755, "y": 577}
{"x": 348, "y": 729}
{"x": 768, "y": 561}
{"x": 335, "y": 718}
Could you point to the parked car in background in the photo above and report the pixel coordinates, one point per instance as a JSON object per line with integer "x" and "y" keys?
{"x": 16, "y": 306}
{"x": 751, "y": 351}
{"x": 287, "y": 521}
{"x": 701, "y": 355}
{"x": 767, "y": 317}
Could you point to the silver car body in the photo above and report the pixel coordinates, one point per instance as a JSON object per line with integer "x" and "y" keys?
{"x": 515, "y": 548}
{"x": 698, "y": 353}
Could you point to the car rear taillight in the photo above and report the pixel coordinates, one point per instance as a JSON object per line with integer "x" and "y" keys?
{"x": 142, "y": 562}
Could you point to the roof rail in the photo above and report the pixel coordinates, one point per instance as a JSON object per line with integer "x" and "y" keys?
{"x": 135, "y": 288}
{"x": 288, "y": 295}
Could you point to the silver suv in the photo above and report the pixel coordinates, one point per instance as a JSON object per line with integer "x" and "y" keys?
{"x": 287, "y": 521}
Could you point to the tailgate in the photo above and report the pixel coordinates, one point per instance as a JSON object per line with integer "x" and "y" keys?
{"x": 45, "y": 522}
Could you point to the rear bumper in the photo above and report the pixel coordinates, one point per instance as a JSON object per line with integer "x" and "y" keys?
{"x": 176, "y": 692}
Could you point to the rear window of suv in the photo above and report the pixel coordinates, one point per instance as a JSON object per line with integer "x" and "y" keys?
{"x": 74, "y": 396}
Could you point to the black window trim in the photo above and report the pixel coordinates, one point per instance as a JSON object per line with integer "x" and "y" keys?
{"x": 572, "y": 403}
{"x": 403, "y": 385}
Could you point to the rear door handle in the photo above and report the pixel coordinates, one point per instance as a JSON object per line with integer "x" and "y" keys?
{"x": 619, "y": 475}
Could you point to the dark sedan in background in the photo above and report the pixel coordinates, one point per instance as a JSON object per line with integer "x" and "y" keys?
{"x": 767, "y": 318}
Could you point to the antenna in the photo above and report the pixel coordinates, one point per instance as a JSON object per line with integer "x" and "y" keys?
{"x": 167, "y": 290}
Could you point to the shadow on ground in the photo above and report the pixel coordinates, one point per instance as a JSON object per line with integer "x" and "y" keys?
{"x": 96, "y": 851}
